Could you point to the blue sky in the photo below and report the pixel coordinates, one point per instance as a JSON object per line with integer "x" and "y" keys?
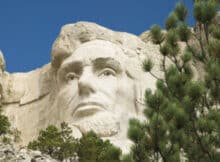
{"x": 29, "y": 27}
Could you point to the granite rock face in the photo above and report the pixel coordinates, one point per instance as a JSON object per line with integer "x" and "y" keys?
{"x": 94, "y": 82}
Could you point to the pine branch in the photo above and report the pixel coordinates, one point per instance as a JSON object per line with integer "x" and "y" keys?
{"x": 163, "y": 156}
{"x": 191, "y": 50}
{"x": 198, "y": 137}
{"x": 206, "y": 30}
{"x": 156, "y": 77}
{"x": 177, "y": 63}
{"x": 171, "y": 59}
{"x": 200, "y": 42}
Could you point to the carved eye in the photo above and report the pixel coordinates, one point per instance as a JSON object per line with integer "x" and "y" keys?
{"x": 107, "y": 72}
{"x": 71, "y": 76}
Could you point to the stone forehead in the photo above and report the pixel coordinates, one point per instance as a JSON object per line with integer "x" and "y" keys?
{"x": 74, "y": 35}
{"x": 92, "y": 50}
{"x": 100, "y": 48}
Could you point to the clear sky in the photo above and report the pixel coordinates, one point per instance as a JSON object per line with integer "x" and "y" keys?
{"x": 29, "y": 27}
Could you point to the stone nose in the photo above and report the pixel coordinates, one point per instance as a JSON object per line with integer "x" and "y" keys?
{"x": 86, "y": 83}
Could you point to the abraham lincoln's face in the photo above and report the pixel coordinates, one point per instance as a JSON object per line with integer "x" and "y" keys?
{"x": 95, "y": 91}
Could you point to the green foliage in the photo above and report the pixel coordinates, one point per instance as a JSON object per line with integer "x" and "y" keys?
{"x": 15, "y": 135}
{"x": 127, "y": 158}
{"x": 165, "y": 49}
{"x": 58, "y": 144}
{"x": 147, "y": 65}
{"x": 213, "y": 80}
{"x": 184, "y": 32}
{"x": 4, "y": 124}
{"x": 172, "y": 37}
{"x": 93, "y": 149}
{"x": 7, "y": 134}
{"x": 156, "y": 34}
{"x": 215, "y": 31}
{"x": 48, "y": 141}
{"x": 181, "y": 11}
{"x": 183, "y": 117}
{"x": 214, "y": 48}
{"x": 171, "y": 43}
{"x": 205, "y": 11}
{"x": 172, "y": 21}
{"x": 135, "y": 132}
{"x": 194, "y": 90}
{"x": 187, "y": 56}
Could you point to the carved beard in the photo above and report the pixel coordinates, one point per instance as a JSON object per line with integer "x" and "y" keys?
{"x": 104, "y": 124}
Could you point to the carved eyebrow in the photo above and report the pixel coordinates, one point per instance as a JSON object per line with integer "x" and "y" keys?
{"x": 75, "y": 66}
{"x": 101, "y": 63}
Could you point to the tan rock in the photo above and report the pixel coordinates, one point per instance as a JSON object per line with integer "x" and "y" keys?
{"x": 95, "y": 82}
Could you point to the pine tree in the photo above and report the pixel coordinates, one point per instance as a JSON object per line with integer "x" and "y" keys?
{"x": 59, "y": 144}
{"x": 183, "y": 113}
{"x": 93, "y": 149}
{"x": 4, "y": 123}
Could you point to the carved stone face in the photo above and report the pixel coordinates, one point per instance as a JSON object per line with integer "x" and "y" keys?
{"x": 96, "y": 85}
{"x": 95, "y": 91}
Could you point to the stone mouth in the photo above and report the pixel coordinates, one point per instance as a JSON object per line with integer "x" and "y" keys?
{"x": 87, "y": 108}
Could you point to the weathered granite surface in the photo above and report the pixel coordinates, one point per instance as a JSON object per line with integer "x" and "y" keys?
{"x": 94, "y": 81}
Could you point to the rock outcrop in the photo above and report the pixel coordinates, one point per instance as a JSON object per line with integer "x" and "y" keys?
{"x": 102, "y": 98}
{"x": 9, "y": 153}
{"x": 95, "y": 81}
